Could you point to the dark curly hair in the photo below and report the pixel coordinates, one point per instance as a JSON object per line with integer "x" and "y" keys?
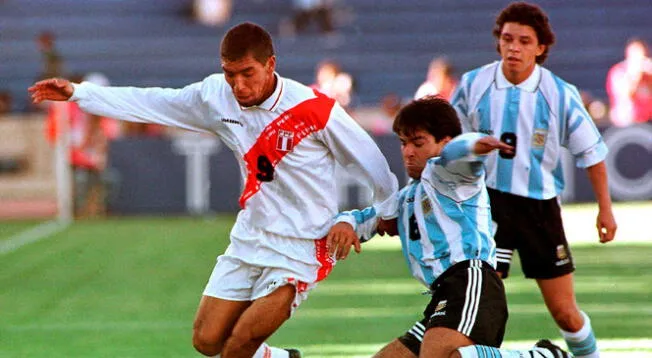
{"x": 529, "y": 15}
{"x": 432, "y": 114}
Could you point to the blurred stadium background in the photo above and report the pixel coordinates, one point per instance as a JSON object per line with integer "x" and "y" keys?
{"x": 126, "y": 282}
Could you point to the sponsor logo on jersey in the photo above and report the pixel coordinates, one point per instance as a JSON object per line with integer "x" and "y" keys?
{"x": 285, "y": 140}
{"x": 231, "y": 121}
{"x": 539, "y": 138}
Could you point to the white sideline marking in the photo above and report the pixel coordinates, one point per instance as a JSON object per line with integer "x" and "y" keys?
{"x": 31, "y": 235}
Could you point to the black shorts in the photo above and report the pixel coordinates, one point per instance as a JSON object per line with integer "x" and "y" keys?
{"x": 470, "y": 298}
{"x": 534, "y": 229}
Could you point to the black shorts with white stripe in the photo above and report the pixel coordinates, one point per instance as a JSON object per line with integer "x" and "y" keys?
{"x": 534, "y": 228}
{"x": 470, "y": 298}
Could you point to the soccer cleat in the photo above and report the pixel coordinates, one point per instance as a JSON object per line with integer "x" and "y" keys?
{"x": 554, "y": 351}
{"x": 294, "y": 353}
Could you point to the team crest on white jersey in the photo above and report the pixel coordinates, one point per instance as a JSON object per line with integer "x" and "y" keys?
{"x": 285, "y": 141}
{"x": 426, "y": 206}
{"x": 539, "y": 138}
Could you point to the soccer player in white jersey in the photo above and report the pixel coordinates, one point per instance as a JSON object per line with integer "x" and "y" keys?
{"x": 523, "y": 103}
{"x": 287, "y": 139}
{"x": 444, "y": 223}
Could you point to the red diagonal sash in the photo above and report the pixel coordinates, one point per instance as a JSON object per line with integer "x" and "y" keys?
{"x": 279, "y": 138}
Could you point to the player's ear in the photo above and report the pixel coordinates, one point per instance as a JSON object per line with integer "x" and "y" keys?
{"x": 271, "y": 64}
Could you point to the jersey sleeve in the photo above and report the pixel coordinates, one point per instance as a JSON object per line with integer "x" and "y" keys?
{"x": 364, "y": 222}
{"x": 182, "y": 108}
{"x": 459, "y": 100}
{"x": 457, "y": 156}
{"x": 583, "y": 139}
{"x": 354, "y": 149}
{"x": 457, "y": 173}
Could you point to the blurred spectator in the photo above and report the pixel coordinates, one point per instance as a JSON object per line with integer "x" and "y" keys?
{"x": 629, "y": 86}
{"x": 6, "y": 102}
{"x": 52, "y": 61}
{"x": 597, "y": 109}
{"x": 333, "y": 82}
{"x": 318, "y": 11}
{"x": 89, "y": 137}
{"x": 390, "y": 104}
{"x": 439, "y": 80}
{"x": 212, "y": 12}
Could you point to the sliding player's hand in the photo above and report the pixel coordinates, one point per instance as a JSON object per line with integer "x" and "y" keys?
{"x": 486, "y": 144}
{"x": 340, "y": 239}
{"x": 53, "y": 89}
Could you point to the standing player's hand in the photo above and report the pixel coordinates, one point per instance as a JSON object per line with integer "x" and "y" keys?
{"x": 53, "y": 89}
{"x": 486, "y": 144}
{"x": 339, "y": 240}
{"x": 606, "y": 224}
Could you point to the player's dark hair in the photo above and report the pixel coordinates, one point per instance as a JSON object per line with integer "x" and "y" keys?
{"x": 529, "y": 15}
{"x": 244, "y": 39}
{"x": 432, "y": 114}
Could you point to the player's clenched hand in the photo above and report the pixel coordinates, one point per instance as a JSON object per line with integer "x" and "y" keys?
{"x": 387, "y": 227}
{"x": 53, "y": 89}
{"x": 606, "y": 225}
{"x": 486, "y": 144}
{"x": 339, "y": 240}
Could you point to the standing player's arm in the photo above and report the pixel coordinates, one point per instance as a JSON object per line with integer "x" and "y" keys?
{"x": 354, "y": 149}
{"x": 605, "y": 222}
{"x": 585, "y": 143}
{"x": 180, "y": 108}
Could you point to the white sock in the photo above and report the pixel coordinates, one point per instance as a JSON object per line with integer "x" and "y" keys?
{"x": 478, "y": 351}
{"x": 582, "y": 343}
{"x": 265, "y": 351}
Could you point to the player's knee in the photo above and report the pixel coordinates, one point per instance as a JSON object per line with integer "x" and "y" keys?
{"x": 243, "y": 340}
{"x": 205, "y": 342}
{"x": 568, "y": 318}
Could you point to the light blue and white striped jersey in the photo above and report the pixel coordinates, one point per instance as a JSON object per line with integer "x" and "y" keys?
{"x": 544, "y": 112}
{"x": 444, "y": 217}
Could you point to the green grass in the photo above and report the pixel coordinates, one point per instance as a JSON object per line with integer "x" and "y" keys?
{"x": 130, "y": 288}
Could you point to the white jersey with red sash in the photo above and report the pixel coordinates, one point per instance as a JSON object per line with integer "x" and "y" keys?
{"x": 287, "y": 146}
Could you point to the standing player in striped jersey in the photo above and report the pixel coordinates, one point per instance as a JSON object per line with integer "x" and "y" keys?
{"x": 444, "y": 223}
{"x": 287, "y": 139}
{"x": 524, "y": 104}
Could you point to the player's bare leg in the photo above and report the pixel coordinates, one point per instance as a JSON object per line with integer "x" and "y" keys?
{"x": 394, "y": 349}
{"x": 441, "y": 342}
{"x": 214, "y": 322}
{"x": 258, "y": 322}
{"x": 559, "y": 296}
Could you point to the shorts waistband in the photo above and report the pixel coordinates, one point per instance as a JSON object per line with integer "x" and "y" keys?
{"x": 462, "y": 265}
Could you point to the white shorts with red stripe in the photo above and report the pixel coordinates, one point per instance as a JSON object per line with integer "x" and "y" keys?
{"x": 258, "y": 262}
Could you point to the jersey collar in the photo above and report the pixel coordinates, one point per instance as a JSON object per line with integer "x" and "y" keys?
{"x": 272, "y": 102}
{"x": 530, "y": 84}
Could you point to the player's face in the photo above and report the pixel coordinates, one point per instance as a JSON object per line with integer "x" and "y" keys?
{"x": 519, "y": 48}
{"x": 251, "y": 82}
{"x": 416, "y": 149}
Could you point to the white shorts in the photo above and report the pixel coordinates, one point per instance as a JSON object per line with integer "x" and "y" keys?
{"x": 258, "y": 262}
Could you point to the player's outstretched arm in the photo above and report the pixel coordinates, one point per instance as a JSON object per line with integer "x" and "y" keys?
{"x": 53, "y": 89}
{"x": 486, "y": 144}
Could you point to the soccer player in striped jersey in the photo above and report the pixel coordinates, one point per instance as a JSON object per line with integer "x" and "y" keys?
{"x": 523, "y": 103}
{"x": 444, "y": 224}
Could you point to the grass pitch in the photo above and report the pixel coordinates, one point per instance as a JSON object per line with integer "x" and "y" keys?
{"x": 129, "y": 287}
